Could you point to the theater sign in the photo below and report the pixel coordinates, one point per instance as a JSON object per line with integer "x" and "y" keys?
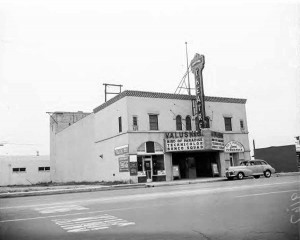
{"x": 233, "y": 147}
{"x": 193, "y": 141}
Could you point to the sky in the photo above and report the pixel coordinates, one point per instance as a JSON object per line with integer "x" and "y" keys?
{"x": 56, "y": 55}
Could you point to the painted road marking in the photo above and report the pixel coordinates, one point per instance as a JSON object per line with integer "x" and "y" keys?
{"x": 260, "y": 194}
{"x": 60, "y": 208}
{"x": 74, "y": 214}
{"x": 149, "y": 196}
{"x": 99, "y": 222}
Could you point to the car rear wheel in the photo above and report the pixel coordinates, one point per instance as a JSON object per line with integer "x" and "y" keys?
{"x": 240, "y": 176}
{"x": 256, "y": 176}
{"x": 267, "y": 174}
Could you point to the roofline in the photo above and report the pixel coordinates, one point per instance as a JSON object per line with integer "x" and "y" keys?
{"x": 130, "y": 93}
{"x": 62, "y": 112}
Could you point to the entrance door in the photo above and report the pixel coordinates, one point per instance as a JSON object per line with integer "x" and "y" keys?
{"x": 148, "y": 170}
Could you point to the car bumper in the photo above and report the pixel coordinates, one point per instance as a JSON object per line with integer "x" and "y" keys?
{"x": 230, "y": 174}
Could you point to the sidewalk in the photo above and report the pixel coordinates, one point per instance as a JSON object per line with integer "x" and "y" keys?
{"x": 22, "y": 191}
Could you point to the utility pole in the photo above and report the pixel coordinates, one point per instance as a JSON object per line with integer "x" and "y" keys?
{"x": 254, "y": 148}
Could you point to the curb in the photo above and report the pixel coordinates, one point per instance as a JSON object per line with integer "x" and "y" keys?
{"x": 174, "y": 183}
{"x": 121, "y": 186}
{"x": 73, "y": 190}
{"x": 287, "y": 174}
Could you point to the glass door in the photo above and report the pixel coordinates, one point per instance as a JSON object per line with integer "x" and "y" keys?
{"x": 148, "y": 168}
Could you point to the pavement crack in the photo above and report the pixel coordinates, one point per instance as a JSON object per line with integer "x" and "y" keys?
{"x": 203, "y": 236}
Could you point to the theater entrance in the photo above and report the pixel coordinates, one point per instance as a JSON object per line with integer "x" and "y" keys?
{"x": 195, "y": 164}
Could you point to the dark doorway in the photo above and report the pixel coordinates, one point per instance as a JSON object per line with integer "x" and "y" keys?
{"x": 195, "y": 164}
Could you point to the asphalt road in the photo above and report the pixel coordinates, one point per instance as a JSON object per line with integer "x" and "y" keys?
{"x": 248, "y": 209}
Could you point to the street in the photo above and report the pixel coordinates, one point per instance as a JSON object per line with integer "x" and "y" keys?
{"x": 247, "y": 209}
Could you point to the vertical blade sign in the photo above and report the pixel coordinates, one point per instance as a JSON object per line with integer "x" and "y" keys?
{"x": 197, "y": 65}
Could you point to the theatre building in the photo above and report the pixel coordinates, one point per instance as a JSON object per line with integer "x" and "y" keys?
{"x": 148, "y": 136}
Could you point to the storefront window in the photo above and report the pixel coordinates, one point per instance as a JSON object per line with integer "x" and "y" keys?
{"x": 140, "y": 163}
{"x": 158, "y": 163}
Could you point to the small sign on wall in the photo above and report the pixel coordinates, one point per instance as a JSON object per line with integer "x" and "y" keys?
{"x": 176, "y": 172}
{"x": 133, "y": 168}
{"x": 215, "y": 169}
{"x": 121, "y": 150}
{"x": 123, "y": 164}
{"x": 234, "y": 146}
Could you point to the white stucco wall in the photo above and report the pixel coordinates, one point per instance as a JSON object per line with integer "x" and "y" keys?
{"x": 31, "y": 176}
{"x": 108, "y": 137}
{"x": 106, "y": 120}
{"x": 75, "y": 153}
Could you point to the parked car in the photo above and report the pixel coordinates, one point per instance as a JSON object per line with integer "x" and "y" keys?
{"x": 255, "y": 168}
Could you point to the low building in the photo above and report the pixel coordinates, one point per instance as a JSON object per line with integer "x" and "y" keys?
{"x": 148, "y": 136}
{"x": 297, "y": 142}
{"x": 282, "y": 158}
{"x": 24, "y": 170}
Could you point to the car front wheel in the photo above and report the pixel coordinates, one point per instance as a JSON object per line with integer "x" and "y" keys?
{"x": 267, "y": 174}
{"x": 240, "y": 176}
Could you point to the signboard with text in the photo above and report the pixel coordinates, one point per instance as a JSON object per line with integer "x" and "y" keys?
{"x": 121, "y": 150}
{"x": 184, "y": 144}
{"x": 123, "y": 164}
{"x": 193, "y": 141}
{"x": 233, "y": 147}
{"x": 197, "y": 65}
{"x": 133, "y": 168}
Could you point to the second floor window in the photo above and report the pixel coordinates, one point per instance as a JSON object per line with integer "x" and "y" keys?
{"x": 242, "y": 125}
{"x": 153, "y": 121}
{"x": 135, "y": 123}
{"x": 178, "y": 123}
{"x": 188, "y": 123}
{"x": 227, "y": 121}
{"x": 207, "y": 122}
{"x": 120, "y": 124}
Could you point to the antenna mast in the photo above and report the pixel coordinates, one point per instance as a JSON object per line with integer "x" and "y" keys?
{"x": 187, "y": 69}
{"x": 183, "y": 84}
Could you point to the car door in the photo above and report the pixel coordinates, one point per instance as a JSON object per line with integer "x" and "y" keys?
{"x": 252, "y": 168}
{"x": 259, "y": 168}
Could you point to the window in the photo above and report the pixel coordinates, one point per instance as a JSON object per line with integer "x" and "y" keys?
{"x": 153, "y": 120}
{"x": 178, "y": 123}
{"x": 135, "y": 123}
{"x": 188, "y": 123}
{"x": 158, "y": 163}
{"x": 207, "y": 122}
{"x": 42, "y": 169}
{"x": 242, "y": 124}
{"x": 150, "y": 147}
{"x": 228, "y": 126}
{"x": 19, "y": 169}
{"x": 197, "y": 123}
{"x": 120, "y": 124}
{"x": 257, "y": 163}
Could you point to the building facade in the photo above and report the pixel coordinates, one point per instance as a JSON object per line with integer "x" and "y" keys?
{"x": 24, "y": 170}
{"x": 282, "y": 158}
{"x": 147, "y": 136}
